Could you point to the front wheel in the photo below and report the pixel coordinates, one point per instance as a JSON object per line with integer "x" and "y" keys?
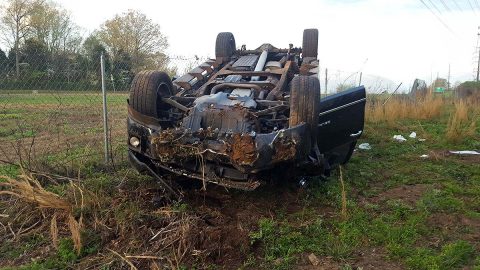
{"x": 147, "y": 90}
{"x": 305, "y": 103}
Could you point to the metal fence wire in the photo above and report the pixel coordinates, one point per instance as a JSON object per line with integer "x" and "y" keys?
{"x": 53, "y": 110}
{"x": 51, "y": 103}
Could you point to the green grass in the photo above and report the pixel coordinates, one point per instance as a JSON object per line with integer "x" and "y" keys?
{"x": 401, "y": 229}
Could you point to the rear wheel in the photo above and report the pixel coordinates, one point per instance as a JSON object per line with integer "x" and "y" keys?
{"x": 224, "y": 46}
{"x": 305, "y": 103}
{"x": 147, "y": 90}
{"x": 310, "y": 43}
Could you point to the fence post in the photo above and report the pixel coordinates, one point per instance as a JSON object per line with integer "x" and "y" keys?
{"x": 105, "y": 119}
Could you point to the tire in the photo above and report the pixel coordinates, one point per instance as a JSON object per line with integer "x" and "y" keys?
{"x": 305, "y": 103}
{"x": 310, "y": 43}
{"x": 224, "y": 46}
{"x": 148, "y": 88}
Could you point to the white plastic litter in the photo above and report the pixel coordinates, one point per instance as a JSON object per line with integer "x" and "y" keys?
{"x": 424, "y": 156}
{"x": 365, "y": 146}
{"x": 465, "y": 152}
{"x": 422, "y": 140}
{"x": 399, "y": 138}
{"x": 413, "y": 135}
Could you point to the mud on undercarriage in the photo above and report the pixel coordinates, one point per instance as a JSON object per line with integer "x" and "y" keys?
{"x": 236, "y": 119}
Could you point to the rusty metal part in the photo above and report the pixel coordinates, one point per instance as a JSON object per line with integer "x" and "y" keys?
{"x": 147, "y": 167}
{"x": 308, "y": 69}
{"x": 273, "y": 50}
{"x": 250, "y": 73}
{"x": 285, "y": 149}
{"x": 243, "y": 150}
{"x": 268, "y": 103}
{"x": 281, "y": 83}
{"x": 201, "y": 90}
{"x": 151, "y": 122}
{"x": 247, "y": 186}
{"x": 175, "y": 104}
{"x": 234, "y": 85}
{"x": 233, "y": 120}
{"x": 271, "y": 109}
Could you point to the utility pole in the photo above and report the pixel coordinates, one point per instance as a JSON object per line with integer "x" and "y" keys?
{"x": 360, "y": 82}
{"x": 448, "y": 79}
{"x": 478, "y": 48}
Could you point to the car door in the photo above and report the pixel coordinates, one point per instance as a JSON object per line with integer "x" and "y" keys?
{"x": 341, "y": 123}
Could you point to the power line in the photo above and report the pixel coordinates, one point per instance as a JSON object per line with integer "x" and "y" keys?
{"x": 445, "y": 5}
{"x": 438, "y": 18}
{"x": 476, "y": 3}
{"x": 434, "y": 6}
{"x": 471, "y": 6}
{"x": 457, "y": 5}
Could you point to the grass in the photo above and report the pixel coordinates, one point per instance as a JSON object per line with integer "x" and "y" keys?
{"x": 391, "y": 209}
{"x": 58, "y": 121}
{"x": 463, "y": 122}
{"x": 395, "y": 109}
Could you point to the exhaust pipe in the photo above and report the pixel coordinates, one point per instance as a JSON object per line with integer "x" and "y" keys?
{"x": 260, "y": 64}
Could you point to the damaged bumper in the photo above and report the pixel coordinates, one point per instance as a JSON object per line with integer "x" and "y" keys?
{"x": 228, "y": 159}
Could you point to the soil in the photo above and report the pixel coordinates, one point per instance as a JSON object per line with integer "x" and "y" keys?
{"x": 370, "y": 258}
{"x": 409, "y": 194}
{"x": 228, "y": 219}
{"x": 454, "y": 226}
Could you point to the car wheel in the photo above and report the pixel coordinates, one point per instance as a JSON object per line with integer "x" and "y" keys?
{"x": 305, "y": 103}
{"x": 310, "y": 43}
{"x": 224, "y": 46}
{"x": 147, "y": 90}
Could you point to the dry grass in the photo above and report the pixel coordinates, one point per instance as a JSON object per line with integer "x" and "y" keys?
{"x": 168, "y": 237}
{"x": 29, "y": 189}
{"x": 462, "y": 122}
{"x": 344, "y": 195}
{"x": 397, "y": 109}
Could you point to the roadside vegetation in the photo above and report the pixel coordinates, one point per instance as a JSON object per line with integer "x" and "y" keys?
{"x": 393, "y": 208}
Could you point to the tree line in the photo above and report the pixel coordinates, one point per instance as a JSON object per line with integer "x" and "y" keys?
{"x": 46, "y": 49}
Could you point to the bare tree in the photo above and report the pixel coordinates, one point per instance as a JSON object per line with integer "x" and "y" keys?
{"x": 15, "y": 25}
{"x": 52, "y": 26}
{"x": 138, "y": 36}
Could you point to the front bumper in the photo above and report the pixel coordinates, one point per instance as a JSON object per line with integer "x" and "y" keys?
{"x": 217, "y": 157}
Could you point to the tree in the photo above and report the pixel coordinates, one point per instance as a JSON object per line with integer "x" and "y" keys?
{"x": 15, "y": 25}
{"x": 52, "y": 25}
{"x": 3, "y": 62}
{"x": 134, "y": 34}
{"x": 35, "y": 54}
{"x": 92, "y": 49}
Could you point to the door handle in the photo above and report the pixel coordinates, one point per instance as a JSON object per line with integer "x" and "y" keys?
{"x": 353, "y": 135}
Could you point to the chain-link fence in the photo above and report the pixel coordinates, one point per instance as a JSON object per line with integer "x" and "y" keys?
{"x": 53, "y": 110}
{"x": 52, "y": 107}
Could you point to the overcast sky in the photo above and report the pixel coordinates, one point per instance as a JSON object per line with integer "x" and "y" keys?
{"x": 399, "y": 40}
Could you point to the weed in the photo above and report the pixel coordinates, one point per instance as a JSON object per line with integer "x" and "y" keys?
{"x": 452, "y": 255}
{"x": 441, "y": 201}
{"x": 66, "y": 251}
{"x": 458, "y": 127}
{"x": 397, "y": 109}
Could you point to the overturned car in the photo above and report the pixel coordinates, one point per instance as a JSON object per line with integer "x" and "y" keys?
{"x": 239, "y": 118}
